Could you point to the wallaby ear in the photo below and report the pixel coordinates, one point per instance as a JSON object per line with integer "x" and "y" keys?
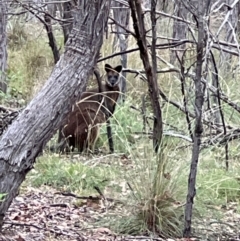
{"x": 118, "y": 68}
{"x": 108, "y": 67}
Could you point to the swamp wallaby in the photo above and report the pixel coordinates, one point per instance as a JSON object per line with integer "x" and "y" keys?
{"x": 95, "y": 107}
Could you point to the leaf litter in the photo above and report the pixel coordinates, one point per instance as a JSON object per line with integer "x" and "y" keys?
{"x": 45, "y": 214}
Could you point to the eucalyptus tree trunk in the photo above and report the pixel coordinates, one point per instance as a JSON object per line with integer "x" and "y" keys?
{"x": 25, "y": 138}
{"x": 3, "y": 45}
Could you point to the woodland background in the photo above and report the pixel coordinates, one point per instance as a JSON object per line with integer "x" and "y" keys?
{"x": 133, "y": 193}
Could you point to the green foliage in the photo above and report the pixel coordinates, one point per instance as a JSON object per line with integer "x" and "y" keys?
{"x": 218, "y": 187}
{"x": 29, "y": 67}
{"x": 2, "y": 196}
{"x": 68, "y": 176}
{"x": 126, "y": 127}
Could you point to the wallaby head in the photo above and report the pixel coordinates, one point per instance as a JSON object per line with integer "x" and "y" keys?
{"x": 113, "y": 75}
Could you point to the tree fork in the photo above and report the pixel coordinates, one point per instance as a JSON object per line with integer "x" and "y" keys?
{"x": 24, "y": 140}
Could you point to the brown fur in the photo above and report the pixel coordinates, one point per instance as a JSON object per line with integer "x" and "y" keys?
{"x": 94, "y": 108}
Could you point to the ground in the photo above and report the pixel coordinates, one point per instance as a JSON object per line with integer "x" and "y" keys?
{"x": 48, "y": 213}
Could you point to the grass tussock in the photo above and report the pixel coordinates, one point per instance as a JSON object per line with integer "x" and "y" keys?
{"x": 154, "y": 198}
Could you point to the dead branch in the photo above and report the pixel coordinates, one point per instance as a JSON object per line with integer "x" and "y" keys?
{"x": 158, "y": 46}
{"x": 123, "y": 27}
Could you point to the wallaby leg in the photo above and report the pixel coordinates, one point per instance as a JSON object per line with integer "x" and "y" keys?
{"x": 109, "y": 134}
{"x": 81, "y": 137}
{"x": 69, "y": 146}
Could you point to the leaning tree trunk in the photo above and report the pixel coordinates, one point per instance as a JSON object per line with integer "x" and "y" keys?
{"x": 24, "y": 140}
{"x": 3, "y": 45}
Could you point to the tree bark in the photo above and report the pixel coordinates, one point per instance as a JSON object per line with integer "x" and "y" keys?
{"x": 51, "y": 38}
{"x": 199, "y": 100}
{"x": 24, "y": 140}
{"x": 3, "y": 45}
{"x": 140, "y": 31}
{"x": 68, "y": 17}
{"x": 231, "y": 33}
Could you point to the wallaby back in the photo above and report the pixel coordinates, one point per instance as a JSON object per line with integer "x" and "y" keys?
{"x": 93, "y": 109}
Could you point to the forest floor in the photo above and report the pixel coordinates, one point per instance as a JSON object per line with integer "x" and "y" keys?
{"x": 46, "y": 213}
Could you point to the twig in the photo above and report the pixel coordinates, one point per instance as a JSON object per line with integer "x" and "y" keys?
{"x": 68, "y": 194}
{"x": 100, "y": 192}
{"x": 182, "y": 78}
{"x": 62, "y": 205}
{"x": 220, "y": 107}
{"x": 158, "y": 46}
{"x": 123, "y": 27}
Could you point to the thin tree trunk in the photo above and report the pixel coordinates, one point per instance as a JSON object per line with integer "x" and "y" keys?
{"x": 51, "y": 38}
{"x": 140, "y": 31}
{"x": 3, "y": 45}
{"x": 24, "y": 140}
{"x": 199, "y": 100}
{"x": 231, "y": 34}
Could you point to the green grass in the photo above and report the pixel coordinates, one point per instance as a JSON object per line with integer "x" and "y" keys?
{"x": 66, "y": 175}
{"x": 126, "y": 125}
{"x": 30, "y": 59}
